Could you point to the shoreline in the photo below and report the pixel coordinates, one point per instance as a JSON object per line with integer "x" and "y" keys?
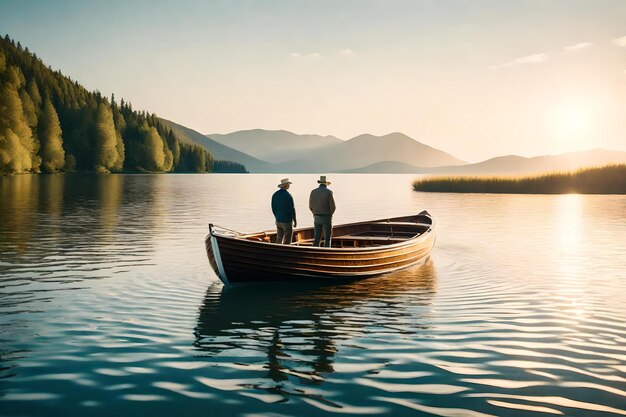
{"x": 609, "y": 179}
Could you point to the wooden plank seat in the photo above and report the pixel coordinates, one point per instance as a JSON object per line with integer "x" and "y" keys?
{"x": 358, "y": 241}
{"x": 338, "y": 240}
{"x": 400, "y": 224}
{"x": 385, "y": 233}
{"x": 393, "y": 239}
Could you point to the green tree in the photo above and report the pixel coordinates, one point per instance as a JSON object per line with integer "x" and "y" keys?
{"x": 15, "y": 76}
{"x": 79, "y": 134}
{"x": 30, "y": 111}
{"x": 70, "y": 163}
{"x": 228, "y": 166}
{"x": 13, "y": 122}
{"x": 198, "y": 160}
{"x": 168, "y": 160}
{"x": 106, "y": 140}
{"x": 154, "y": 157}
{"x": 174, "y": 145}
{"x": 33, "y": 92}
{"x": 3, "y": 62}
{"x": 120, "y": 126}
{"x": 14, "y": 158}
{"x": 31, "y": 114}
{"x": 52, "y": 153}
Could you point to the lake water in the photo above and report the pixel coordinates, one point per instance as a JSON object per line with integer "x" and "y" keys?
{"x": 108, "y": 305}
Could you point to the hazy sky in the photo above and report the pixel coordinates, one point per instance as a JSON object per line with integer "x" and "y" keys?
{"x": 474, "y": 78}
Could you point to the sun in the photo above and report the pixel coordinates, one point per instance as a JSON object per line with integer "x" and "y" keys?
{"x": 573, "y": 124}
{"x": 575, "y": 119}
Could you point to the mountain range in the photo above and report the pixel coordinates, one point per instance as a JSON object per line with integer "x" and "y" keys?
{"x": 218, "y": 150}
{"x": 280, "y": 151}
{"x": 275, "y": 146}
{"x": 510, "y": 164}
{"x": 289, "y": 152}
{"x": 513, "y": 164}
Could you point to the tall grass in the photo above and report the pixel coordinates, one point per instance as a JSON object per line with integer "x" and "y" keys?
{"x": 610, "y": 179}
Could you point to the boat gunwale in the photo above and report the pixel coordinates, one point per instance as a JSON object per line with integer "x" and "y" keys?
{"x": 311, "y": 249}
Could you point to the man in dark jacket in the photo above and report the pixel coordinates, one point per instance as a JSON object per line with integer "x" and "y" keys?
{"x": 284, "y": 212}
{"x": 322, "y": 205}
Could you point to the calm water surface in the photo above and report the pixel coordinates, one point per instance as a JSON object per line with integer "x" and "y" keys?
{"x": 108, "y": 305}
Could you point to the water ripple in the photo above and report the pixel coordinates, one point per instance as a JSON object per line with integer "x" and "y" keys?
{"x": 108, "y": 306}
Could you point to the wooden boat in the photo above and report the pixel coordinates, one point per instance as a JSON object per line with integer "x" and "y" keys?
{"x": 358, "y": 250}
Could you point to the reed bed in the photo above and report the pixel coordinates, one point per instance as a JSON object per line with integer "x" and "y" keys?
{"x": 609, "y": 179}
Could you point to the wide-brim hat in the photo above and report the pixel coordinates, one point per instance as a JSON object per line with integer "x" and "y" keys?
{"x": 322, "y": 180}
{"x": 284, "y": 182}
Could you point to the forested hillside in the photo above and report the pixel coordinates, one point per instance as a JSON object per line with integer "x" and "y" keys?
{"x": 50, "y": 123}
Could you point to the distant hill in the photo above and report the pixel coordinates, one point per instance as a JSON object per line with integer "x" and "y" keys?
{"x": 368, "y": 149}
{"x": 316, "y": 153}
{"x": 387, "y": 167}
{"x": 513, "y": 164}
{"x": 218, "y": 150}
{"x": 395, "y": 153}
{"x": 273, "y": 145}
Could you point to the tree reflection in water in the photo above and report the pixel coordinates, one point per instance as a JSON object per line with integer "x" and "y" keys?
{"x": 299, "y": 327}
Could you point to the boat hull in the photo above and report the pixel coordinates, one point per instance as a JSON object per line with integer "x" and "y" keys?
{"x": 239, "y": 260}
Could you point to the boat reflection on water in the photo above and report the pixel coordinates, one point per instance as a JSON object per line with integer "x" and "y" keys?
{"x": 297, "y": 329}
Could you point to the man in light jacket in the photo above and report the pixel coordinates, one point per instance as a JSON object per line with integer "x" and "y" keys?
{"x": 285, "y": 212}
{"x": 322, "y": 205}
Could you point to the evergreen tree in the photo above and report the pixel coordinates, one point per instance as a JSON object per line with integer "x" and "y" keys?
{"x": 33, "y": 92}
{"x": 209, "y": 161}
{"x": 228, "y": 166}
{"x": 120, "y": 126}
{"x": 79, "y": 142}
{"x": 70, "y": 163}
{"x": 14, "y": 158}
{"x": 174, "y": 145}
{"x": 106, "y": 150}
{"x": 168, "y": 160}
{"x": 31, "y": 114}
{"x": 15, "y": 76}
{"x": 52, "y": 153}
{"x": 198, "y": 161}
{"x": 13, "y": 122}
{"x": 154, "y": 158}
{"x": 30, "y": 111}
